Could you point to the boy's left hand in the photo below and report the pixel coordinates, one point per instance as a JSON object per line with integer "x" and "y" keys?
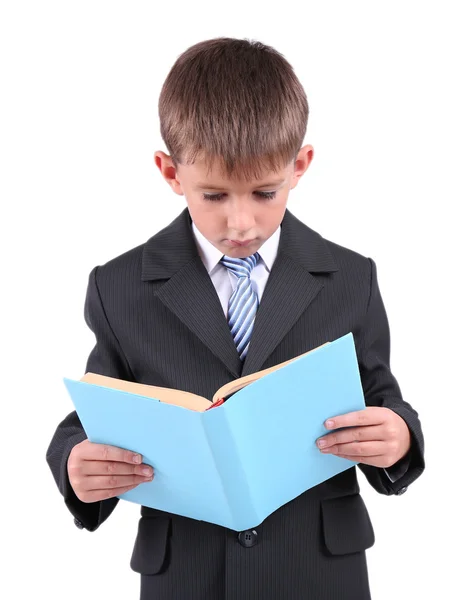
{"x": 375, "y": 436}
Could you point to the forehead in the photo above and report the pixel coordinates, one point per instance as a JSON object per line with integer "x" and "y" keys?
{"x": 204, "y": 174}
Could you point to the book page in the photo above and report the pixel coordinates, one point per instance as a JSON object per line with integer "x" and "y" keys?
{"x": 167, "y": 395}
{"x": 238, "y": 384}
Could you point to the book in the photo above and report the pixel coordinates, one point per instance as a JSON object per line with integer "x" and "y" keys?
{"x": 237, "y": 463}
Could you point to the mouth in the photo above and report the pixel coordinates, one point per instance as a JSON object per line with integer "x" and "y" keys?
{"x": 240, "y": 243}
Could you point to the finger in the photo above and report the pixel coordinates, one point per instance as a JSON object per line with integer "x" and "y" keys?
{"x": 101, "y": 467}
{"x": 352, "y": 434}
{"x": 358, "y": 449}
{"x": 92, "y": 451}
{"x": 97, "y": 495}
{"x": 99, "y": 482}
{"x": 371, "y": 415}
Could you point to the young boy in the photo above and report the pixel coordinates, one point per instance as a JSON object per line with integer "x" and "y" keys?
{"x": 235, "y": 284}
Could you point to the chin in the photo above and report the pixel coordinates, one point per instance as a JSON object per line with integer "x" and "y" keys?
{"x": 243, "y": 252}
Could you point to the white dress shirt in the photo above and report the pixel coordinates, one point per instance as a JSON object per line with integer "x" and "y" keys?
{"x": 225, "y": 283}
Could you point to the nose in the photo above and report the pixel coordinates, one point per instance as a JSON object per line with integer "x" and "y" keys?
{"x": 240, "y": 220}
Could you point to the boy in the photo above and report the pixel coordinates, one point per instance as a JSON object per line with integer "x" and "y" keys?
{"x": 235, "y": 284}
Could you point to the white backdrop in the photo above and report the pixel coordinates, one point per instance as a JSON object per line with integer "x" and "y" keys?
{"x": 388, "y": 87}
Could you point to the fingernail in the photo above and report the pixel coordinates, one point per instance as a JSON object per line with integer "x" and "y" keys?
{"x": 146, "y": 471}
{"x": 136, "y": 458}
{"x": 321, "y": 443}
{"x": 329, "y": 423}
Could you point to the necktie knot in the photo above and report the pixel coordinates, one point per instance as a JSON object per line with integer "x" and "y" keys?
{"x": 242, "y": 267}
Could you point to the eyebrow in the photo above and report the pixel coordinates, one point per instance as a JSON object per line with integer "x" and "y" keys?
{"x": 208, "y": 186}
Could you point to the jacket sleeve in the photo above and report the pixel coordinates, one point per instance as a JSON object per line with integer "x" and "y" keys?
{"x": 381, "y": 389}
{"x": 106, "y": 358}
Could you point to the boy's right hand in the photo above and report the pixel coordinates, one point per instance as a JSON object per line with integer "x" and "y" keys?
{"x": 99, "y": 471}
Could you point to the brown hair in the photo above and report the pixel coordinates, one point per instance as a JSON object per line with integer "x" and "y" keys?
{"x": 235, "y": 101}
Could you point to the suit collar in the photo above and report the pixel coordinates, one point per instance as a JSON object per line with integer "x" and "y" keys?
{"x": 166, "y": 252}
{"x": 173, "y": 247}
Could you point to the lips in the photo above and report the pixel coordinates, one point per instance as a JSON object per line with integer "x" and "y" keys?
{"x": 239, "y": 243}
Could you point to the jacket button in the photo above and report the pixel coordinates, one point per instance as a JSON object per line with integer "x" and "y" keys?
{"x": 401, "y": 491}
{"x": 248, "y": 538}
{"x": 78, "y": 523}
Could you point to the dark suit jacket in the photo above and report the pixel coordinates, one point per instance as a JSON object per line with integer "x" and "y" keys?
{"x": 158, "y": 320}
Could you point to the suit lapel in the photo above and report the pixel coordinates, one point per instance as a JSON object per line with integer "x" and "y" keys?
{"x": 295, "y": 280}
{"x": 189, "y": 293}
{"x": 289, "y": 291}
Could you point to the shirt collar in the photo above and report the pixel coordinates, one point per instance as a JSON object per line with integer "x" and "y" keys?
{"x": 211, "y": 256}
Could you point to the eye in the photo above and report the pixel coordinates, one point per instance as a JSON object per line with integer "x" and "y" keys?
{"x": 266, "y": 195}
{"x": 216, "y": 197}
{"x": 212, "y": 197}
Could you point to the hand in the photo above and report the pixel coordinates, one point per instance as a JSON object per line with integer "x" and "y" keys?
{"x": 98, "y": 471}
{"x": 375, "y": 436}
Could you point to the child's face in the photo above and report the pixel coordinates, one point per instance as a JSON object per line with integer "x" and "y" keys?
{"x": 239, "y": 210}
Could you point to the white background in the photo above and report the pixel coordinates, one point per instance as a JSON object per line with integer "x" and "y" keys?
{"x": 388, "y": 88}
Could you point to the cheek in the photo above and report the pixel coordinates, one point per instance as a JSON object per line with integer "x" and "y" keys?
{"x": 275, "y": 212}
{"x": 202, "y": 213}
{"x": 210, "y": 221}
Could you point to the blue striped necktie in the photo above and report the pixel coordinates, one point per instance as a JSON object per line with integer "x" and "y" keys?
{"x": 243, "y": 302}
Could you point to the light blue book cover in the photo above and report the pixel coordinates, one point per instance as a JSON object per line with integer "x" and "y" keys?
{"x": 238, "y": 462}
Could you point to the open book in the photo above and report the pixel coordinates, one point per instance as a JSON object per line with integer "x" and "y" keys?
{"x": 179, "y": 397}
{"x": 235, "y": 464}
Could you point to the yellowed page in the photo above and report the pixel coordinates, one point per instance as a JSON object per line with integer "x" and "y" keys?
{"x": 167, "y": 395}
{"x": 238, "y": 384}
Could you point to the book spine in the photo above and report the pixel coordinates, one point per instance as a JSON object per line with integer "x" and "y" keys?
{"x": 222, "y": 441}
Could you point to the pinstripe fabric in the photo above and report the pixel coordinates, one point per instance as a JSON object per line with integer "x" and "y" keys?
{"x": 243, "y": 303}
{"x": 158, "y": 320}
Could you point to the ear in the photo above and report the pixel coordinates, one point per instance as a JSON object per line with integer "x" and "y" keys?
{"x": 169, "y": 171}
{"x": 301, "y": 164}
